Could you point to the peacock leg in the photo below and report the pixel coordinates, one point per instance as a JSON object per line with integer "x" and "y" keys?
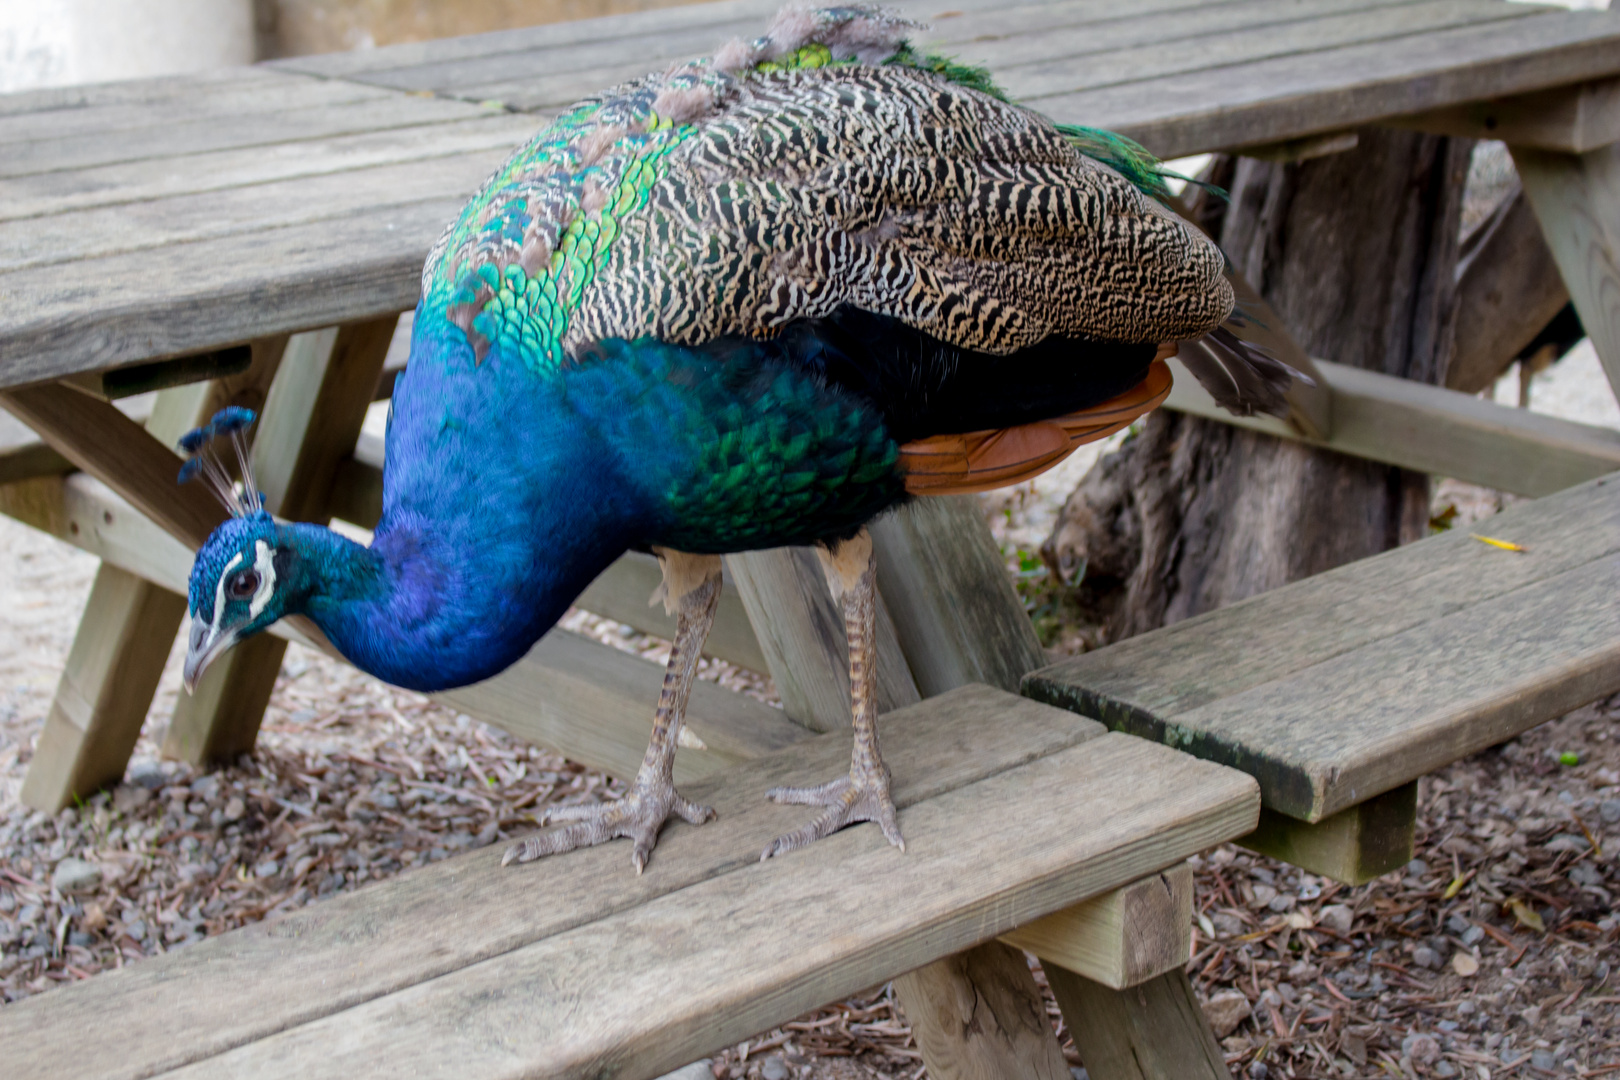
{"x": 691, "y": 592}
{"x": 863, "y": 795}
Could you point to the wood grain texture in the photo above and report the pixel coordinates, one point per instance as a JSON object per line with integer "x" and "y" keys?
{"x": 101, "y": 440}
{"x": 104, "y": 691}
{"x": 990, "y": 992}
{"x": 1572, "y": 119}
{"x": 800, "y": 631}
{"x": 1434, "y": 430}
{"x": 1516, "y": 641}
{"x": 1152, "y": 1031}
{"x": 711, "y": 963}
{"x": 1508, "y": 290}
{"x": 944, "y": 582}
{"x": 355, "y": 948}
{"x": 1354, "y": 846}
{"x": 1577, "y": 201}
{"x": 1312, "y": 92}
{"x": 1122, "y": 938}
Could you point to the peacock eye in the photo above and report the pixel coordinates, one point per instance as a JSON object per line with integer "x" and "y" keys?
{"x": 243, "y": 585}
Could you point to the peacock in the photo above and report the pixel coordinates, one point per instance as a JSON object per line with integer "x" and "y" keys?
{"x": 754, "y": 300}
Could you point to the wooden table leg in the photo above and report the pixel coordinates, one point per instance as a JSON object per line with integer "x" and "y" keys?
{"x": 1153, "y": 1031}
{"x": 126, "y": 631}
{"x": 1576, "y": 198}
{"x": 311, "y": 420}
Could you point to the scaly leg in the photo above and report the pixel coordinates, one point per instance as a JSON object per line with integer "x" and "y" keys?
{"x": 863, "y": 795}
{"x": 690, "y": 592}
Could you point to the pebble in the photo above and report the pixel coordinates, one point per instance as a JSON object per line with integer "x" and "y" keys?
{"x": 1425, "y": 957}
{"x": 1445, "y": 1070}
{"x": 773, "y": 1068}
{"x": 1465, "y": 1008}
{"x": 1472, "y": 935}
{"x": 1226, "y": 1010}
{"x": 75, "y": 875}
{"x": 1227, "y": 925}
{"x": 1421, "y": 1049}
{"x": 1542, "y": 1059}
{"x": 1258, "y": 1070}
{"x": 698, "y": 1070}
{"x": 1077, "y": 1073}
{"x": 146, "y": 774}
{"x": 266, "y": 869}
{"x": 1609, "y": 811}
{"x": 1336, "y": 917}
{"x": 1417, "y": 868}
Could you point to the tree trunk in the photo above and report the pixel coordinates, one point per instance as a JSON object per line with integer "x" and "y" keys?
{"x": 1357, "y": 253}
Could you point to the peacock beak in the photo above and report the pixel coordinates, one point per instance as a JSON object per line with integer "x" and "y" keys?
{"x": 203, "y": 646}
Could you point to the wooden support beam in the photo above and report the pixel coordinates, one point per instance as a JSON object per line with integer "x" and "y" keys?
{"x": 1121, "y": 938}
{"x": 105, "y": 688}
{"x": 800, "y": 631}
{"x": 1434, "y": 430}
{"x": 1293, "y": 151}
{"x": 1353, "y": 846}
{"x": 162, "y": 374}
{"x": 1577, "y": 200}
{"x": 1572, "y": 119}
{"x": 310, "y": 420}
{"x": 1153, "y": 1031}
{"x": 101, "y": 440}
{"x": 1003, "y": 1011}
{"x": 945, "y": 583}
{"x": 1508, "y": 290}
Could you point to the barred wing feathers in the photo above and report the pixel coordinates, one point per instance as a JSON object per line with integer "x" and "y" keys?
{"x": 787, "y": 177}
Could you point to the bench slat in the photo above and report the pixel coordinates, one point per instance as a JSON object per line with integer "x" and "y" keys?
{"x": 721, "y": 959}
{"x": 353, "y": 948}
{"x": 1355, "y": 681}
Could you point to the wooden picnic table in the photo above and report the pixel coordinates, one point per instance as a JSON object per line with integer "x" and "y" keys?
{"x": 251, "y": 235}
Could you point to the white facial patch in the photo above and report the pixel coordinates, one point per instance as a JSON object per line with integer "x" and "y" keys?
{"x": 264, "y": 563}
{"x": 219, "y": 595}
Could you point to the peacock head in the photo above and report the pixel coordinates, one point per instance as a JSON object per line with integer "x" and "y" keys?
{"x": 246, "y": 575}
{"x": 240, "y": 584}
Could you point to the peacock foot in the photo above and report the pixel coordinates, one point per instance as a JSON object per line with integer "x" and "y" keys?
{"x": 848, "y": 799}
{"x": 638, "y": 816}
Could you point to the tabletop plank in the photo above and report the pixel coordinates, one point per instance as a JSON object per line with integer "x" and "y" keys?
{"x": 1292, "y": 96}
{"x": 1242, "y": 46}
{"x": 103, "y": 313}
{"x": 354, "y": 948}
{"x": 233, "y": 211}
{"x": 1329, "y": 690}
{"x": 135, "y": 181}
{"x": 241, "y": 91}
{"x": 231, "y": 131}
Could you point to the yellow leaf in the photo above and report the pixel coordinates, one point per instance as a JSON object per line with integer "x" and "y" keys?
{"x": 1526, "y": 915}
{"x": 1464, "y": 964}
{"x": 1456, "y": 886}
{"x": 1505, "y": 545}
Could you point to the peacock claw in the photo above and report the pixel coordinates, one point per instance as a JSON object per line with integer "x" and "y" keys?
{"x": 638, "y": 816}
{"x": 848, "y": 799}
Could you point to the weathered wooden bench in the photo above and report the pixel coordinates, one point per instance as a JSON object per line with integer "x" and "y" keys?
{"x": 1339, "y": 691}
{"x": 577, "y": 967}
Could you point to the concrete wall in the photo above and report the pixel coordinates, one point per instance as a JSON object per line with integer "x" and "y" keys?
{"x": 59, "y": 42}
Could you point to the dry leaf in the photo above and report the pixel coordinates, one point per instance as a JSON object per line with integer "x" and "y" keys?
{"x": 1526, "y": 915}
{"x": 1464, "y": 964}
